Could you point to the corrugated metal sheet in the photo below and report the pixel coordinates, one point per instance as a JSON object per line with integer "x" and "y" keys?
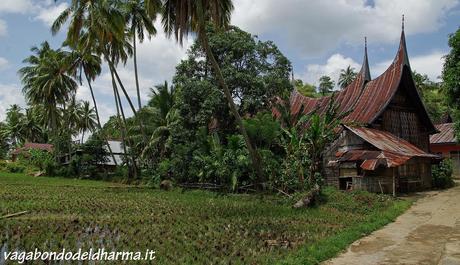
{"x": 386, "y": 141}
{"x": 392, "y": 151}
{"x": 446, "y": 134}
{"x": 29, "y": 146}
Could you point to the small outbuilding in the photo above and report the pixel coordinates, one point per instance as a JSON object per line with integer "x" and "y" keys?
{"x": 446, "y": 144}
{"x": 24, "y": 150}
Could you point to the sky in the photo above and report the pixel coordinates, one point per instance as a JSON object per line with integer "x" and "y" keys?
{"x": 318, "y": 37}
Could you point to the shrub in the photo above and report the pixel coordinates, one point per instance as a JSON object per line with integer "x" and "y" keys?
{"x": 3, "y": 164}
{"x": 40, "y": 158}
{"x": 50, "y": 168}
{"x": 15, "y": 167}
{"x": 442, "y": 174}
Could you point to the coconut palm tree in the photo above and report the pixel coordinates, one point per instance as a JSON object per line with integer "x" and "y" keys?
{"x": 87, "y": 120}
{"x": 71, "y": 116}
{"x": 181, "y": 17}
{"x": 325, "y": 85}
{"x": 88, "y": 64}
{"x": 138, "y": 21}
{"x": 31, "y": 127}
{"x": 346, "y": 76}
{"x": 99, "y": 26}
{"x": 13, "y": 129}
{"x": 47, "y": 81}
{"x": 162, "y": 99}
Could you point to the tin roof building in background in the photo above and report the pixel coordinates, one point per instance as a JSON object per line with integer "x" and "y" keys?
{"x": 446, "y": 144}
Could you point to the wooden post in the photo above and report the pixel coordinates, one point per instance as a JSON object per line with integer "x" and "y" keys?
{"x": 394, "y": 182}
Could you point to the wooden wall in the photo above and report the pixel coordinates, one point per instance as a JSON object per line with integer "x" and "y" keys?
{"x": 402, "y": 119}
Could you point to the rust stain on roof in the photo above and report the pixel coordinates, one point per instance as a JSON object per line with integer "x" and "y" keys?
{"x": 386, "y": 141}
{"x": 30, "y": 146}
{"x": 364, "y": 99}
{"x": 446, "y": 134}
{"x": 392, "y": 151}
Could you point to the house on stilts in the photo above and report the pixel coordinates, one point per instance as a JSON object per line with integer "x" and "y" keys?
{"x": 384, "y": 142}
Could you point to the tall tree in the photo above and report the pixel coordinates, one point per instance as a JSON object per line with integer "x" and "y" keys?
{"x": 100, "y": 27}
{"x": 138, "y": 22}
{"x": 346, "y": 76}
{"x": 179, "y": 18}
{"x": 451, "y": 76}
{"x": 325, "y": 85}
{"x": 31, "y": 125}
{"x": 87, "y": 120}
{"x": 13, "y": 126}
{"x": 305, "y": 89}
{"x": 47, "y": 81}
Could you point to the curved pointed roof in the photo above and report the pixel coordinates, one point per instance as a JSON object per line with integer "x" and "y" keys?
{"x": 346, "y": 98}
{"x": 366, "y": 99}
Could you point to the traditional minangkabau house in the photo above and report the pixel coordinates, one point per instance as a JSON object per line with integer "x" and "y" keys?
{"x": 447, "y": 145}
{"x": 383, "y": 145}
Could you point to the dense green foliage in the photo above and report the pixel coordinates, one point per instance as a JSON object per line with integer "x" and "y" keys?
{"x": 346, "y": 76}
{"x": 325, "y": 85}
{"x": 193, "y": 227}
{"x": 451, "y": 77}
{"x": 306, "y": 89}
{"x": 442, "y": 174}
{"x": 433, "y": 96}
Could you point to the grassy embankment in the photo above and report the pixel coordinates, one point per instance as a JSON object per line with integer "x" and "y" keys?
{"x": 192, "y": 227}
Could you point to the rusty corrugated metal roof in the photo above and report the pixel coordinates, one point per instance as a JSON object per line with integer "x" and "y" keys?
{"x": 365, "y": 99}
{"x": 391, "y": 150}
{"x": 29, "y": 146}
{"x": 385, "y": 141}
{"x": 446, "y": 134}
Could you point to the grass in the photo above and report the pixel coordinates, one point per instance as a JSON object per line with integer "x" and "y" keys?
{"x": 192, "y": 227}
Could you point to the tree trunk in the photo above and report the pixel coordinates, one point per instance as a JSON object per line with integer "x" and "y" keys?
{"x": 308, "y": 199}
{"x": 98, "y": 118}
{"x": 255, "y": 158}
{"x": 123, "y": 125}
{"x": 133, "y": 109}
{"x": 135, "y": 71}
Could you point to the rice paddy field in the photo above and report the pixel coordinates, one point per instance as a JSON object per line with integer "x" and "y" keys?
{"x": 184, "y": 227}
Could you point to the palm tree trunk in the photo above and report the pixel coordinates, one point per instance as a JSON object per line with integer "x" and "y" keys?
{"x": 98, "y": 118}
{"x": 255, "y": 158}
{"x": 133, "y": 109}
{"x": 123, "y": 125}
{"x": 135, "y": 71}
{"x": 82, "y": 136}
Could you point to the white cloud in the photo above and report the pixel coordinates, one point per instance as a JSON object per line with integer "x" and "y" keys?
{"x": 9, "y": 94}
{"x": 430, "y": 64}
{"x": 315, "y": 27}
{"x": 3, "y": 63}
{"x": 49, "y": 13}
{"x": 332, "y": 68}
{"x": 45, "y": 11}
{"x": 3, "y": 28}
{"x": 16, "y": 6}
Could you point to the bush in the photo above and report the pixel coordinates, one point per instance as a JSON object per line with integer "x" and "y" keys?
{"x": 3, "y": 164}
{"x": 40, "y": 158}
{"x": 15, "y": 167}
{"x": 442, "y": 174}
{"x": 50, "y": 168}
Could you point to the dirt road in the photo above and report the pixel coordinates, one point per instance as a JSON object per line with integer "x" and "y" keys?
{"x": 428, "y": 233}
